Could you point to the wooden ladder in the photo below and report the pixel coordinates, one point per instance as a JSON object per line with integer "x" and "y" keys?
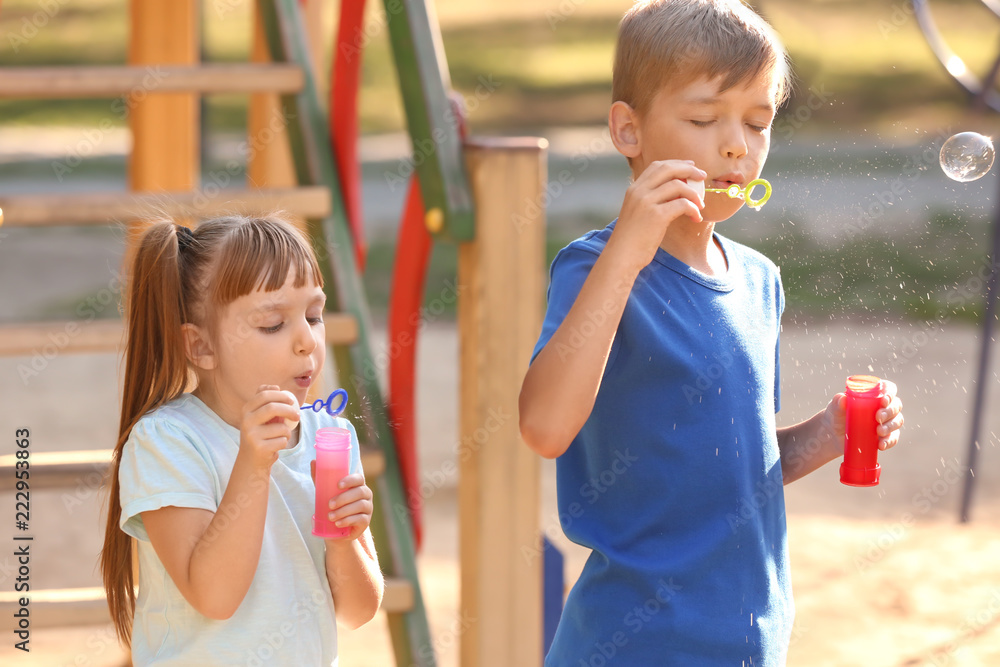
{"x": 314, "y": 196}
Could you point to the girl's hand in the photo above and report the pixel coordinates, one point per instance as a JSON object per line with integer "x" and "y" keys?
{"x": 264, "y": 431}
{"x": 352, "y": 508}
{"x": 889, "y": 416}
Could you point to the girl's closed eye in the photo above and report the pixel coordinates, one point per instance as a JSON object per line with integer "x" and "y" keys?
{"x": 701, "y": 123}
{"x": 315, "y": 320}
{"x": 271, "y": 330}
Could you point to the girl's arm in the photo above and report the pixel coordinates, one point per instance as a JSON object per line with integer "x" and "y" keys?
{"x": 351, "y": 562}
{"x": 212, "y": 556}
{"x": 818, "y": 440}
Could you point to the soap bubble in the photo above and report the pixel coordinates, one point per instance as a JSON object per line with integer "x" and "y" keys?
{"x": 967, "y": 156}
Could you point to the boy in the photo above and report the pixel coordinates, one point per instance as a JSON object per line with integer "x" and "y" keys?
{"x": 655, "y": 379}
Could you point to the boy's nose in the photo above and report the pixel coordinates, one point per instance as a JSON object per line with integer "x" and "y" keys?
{"x": 734, "y": 144}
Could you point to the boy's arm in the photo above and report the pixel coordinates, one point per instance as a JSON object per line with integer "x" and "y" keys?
{"x": 561, "y": 384}
{"x": 818, "y": 440}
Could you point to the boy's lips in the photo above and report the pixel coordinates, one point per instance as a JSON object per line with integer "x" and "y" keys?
{"x": 725, "y": 180}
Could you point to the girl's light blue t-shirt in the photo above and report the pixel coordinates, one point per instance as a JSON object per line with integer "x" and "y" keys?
{"x": 182, "y": 455}
{"x": 675, "y": 479}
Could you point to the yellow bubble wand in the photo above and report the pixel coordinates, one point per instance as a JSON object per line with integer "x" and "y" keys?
{"x": 745, "y": 193}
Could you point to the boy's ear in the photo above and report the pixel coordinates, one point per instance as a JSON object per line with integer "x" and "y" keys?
{"x": 623, "y": 123}
{"x": 197, "y": 347}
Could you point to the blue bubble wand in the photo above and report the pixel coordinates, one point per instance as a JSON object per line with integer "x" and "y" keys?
{"x": 320, "y": 404}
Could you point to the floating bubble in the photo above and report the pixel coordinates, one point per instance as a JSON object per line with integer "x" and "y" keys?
{"x": 967, "y": 156}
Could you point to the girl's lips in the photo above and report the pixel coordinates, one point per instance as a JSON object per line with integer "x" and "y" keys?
{"x": 304, "y": 381}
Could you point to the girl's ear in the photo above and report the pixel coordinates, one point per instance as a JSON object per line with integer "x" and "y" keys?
{"x": 197, "y": 347}
{"x": 623, "y": 123}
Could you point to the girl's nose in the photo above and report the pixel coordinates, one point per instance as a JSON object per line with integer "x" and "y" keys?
{"x": 305, "y": 341}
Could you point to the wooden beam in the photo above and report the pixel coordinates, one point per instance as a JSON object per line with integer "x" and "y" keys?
{"x": 106, "y": 207}
{"x": 48, "y": 339}
{"x": 81, "y": 82}
{"x": 501, "y": 286}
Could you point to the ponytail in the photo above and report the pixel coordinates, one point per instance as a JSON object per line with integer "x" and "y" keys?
{"x": 155, "y": 373}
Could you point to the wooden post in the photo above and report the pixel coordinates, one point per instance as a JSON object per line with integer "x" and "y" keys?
{"x": 501, "y": 278}
{"x": 269, "y": 161}
{"x": 165, "y": 126}
{"x": 269, "y": 156}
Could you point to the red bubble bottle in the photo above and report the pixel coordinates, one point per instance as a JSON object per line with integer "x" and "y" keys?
{"x": 864, "y": 399}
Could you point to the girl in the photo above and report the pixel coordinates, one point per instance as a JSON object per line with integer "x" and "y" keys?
{"x": 214, "y": 485}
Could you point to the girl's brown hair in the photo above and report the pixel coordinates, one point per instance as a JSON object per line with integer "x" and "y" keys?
{"x": 179, "y": 276}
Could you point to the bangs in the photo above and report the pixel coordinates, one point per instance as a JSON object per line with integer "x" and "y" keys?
{"x": 258, "y": 255}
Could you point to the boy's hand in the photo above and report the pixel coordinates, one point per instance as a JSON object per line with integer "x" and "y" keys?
{"x": 352, "y": 508}
{"x": 890, "y": 416}
{"x": 659, "y": 196}
{"x": 264, "y": 430}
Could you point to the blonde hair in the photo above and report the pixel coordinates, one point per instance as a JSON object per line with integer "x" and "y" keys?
{"x": 674, "y": 42}
{"x": 179, "y": 276}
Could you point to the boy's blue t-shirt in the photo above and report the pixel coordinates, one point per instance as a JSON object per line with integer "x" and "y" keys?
{"x": 675, "y": 481}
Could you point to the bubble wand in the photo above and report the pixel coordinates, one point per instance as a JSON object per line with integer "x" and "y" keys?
{"x": 736, "y": 192}
{"x": 320, "y": 404}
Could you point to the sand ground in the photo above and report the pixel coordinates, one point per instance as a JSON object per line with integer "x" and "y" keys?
{"x": 882, "y": 576}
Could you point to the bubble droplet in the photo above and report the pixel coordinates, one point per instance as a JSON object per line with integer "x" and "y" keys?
{"x": 967, "y": 156}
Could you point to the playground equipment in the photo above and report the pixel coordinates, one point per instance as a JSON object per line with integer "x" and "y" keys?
{"x": 982, "y": 96}
{"x": 310, "y": 170}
